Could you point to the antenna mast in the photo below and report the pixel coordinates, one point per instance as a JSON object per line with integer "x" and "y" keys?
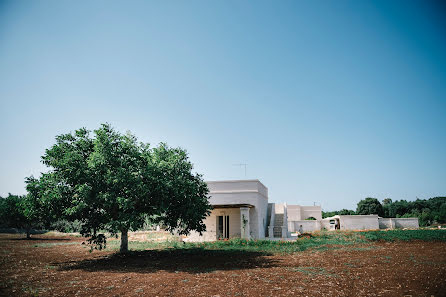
{"x": 242, "y": 164}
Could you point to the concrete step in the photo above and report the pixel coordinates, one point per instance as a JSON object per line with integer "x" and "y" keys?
{"x": 278, "y": 220}
{"x": 277, "y": 231}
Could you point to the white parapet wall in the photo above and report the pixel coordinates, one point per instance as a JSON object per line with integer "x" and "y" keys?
{"x": 294, "y": 213}
{"x": 279, "y": 208}
{"x": 385, "y": 223}
{"x": 351, "y": 222}
{"x": 299, "y": 212}
{"x": 359, "y": 222}
{"x": 406, "y": 223}
{"x": 311, "y": 212}
{"x": 394, "y": 223}
{"x": 307, "y": 226}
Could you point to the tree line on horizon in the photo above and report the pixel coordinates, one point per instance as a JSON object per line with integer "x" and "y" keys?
{"x": 428, "y": 211}
{"x": 21, "y": 212}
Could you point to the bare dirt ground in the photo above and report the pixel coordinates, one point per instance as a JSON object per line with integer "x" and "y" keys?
{"x": 61, "y": 266}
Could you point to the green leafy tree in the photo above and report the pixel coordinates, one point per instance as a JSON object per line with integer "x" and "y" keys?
{"x": 387, "y": 201}
{"x": 369, "y": 206}
{"x": 428, "y": 211}
{"x": 11, "y": 211}
{"x": 112, "y": 182}
{"x": 22, "y": 212}
{"x": 337, "y": 212}
{"x": 346, "y": 212}
{"x": 388, "y": 208}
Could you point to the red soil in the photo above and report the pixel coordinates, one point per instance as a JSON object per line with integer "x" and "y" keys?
{"x": 381, "y": 269}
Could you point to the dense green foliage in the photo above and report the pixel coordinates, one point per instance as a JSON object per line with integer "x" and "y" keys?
{"x": 428, "y": 211}
{"x": 111, "y": 182}
{"x": 67, "y": 226}
{"x": 369, "y": 206}
{"x": 326, "y": 214}
{"x": 11, "y": 211}
{"x": 22, "y": 212}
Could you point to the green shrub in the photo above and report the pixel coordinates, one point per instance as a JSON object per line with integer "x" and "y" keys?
{"x": 66, "y": 226}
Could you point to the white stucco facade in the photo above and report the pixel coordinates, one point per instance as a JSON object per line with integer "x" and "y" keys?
{"x": 299, "y": 212}
{"x": 240, "y": 210}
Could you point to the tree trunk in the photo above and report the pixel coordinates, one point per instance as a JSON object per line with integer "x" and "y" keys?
{"x": 28, "y": 234}
{"x": 124, "y": 241}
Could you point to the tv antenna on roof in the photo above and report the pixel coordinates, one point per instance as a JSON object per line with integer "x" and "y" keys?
{"x": 241, "y": 164}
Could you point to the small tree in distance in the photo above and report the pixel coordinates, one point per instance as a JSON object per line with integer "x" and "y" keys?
{"x": 112, "y": 182}
{"x": 22, "y": 212}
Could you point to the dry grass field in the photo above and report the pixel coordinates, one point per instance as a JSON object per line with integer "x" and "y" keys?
{"x": 62, "y": 266}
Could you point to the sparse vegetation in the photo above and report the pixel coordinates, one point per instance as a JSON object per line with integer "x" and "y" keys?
{"x": 311, "y": 262}
{"x": 319, "y": 241}
{"x": 392, "y": 235}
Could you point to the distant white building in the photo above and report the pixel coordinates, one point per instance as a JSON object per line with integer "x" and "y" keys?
{"x": 241, "y": 209}
{"x": 367, "y": 222}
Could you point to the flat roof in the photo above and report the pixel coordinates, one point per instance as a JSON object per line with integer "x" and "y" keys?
{"x": 231, "y": 205}
{"x": 231, "y": 180}
{"x": 235, "y": 181}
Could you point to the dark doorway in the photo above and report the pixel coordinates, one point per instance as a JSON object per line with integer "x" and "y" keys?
{"x": 223, "y": 227}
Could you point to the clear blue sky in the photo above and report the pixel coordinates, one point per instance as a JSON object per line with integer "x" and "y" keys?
{"x": 326, "y": 101}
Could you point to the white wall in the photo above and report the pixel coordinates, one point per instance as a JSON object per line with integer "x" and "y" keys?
{"x": 211, "y": 230}
{"x": 311, "y": 211}
{"x": 307, "y": 226}
{"x": 294, "y": 212}
{"x": 359, "y": 222}
{"x": 406, "y": 222}
{"x": 260, "y": 211}
{"x": 251, "y": 192}
{"x": 391, "y": 223}
{"x": 299, "y": 212}
{"x": 211, "y": 225}
{"x": 253, "y": 185}
{"x": 385, "y": 223}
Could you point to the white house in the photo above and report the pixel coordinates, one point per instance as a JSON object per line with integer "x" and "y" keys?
{"x": 241, "y": 209}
